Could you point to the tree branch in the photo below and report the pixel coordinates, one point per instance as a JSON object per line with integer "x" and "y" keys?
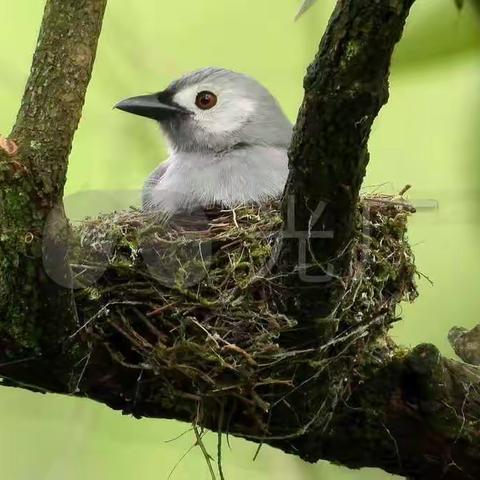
{"x": 55, "y": 91}
{"x": 33, "y": 177}
{"x": 345, "y": 88}
{"x": 423, "y": 411}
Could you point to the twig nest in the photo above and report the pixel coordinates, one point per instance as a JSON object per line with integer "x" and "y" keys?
{"x": 188, "y": 305}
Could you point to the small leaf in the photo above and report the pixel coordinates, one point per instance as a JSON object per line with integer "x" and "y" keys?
{"x": 308, "y": 3}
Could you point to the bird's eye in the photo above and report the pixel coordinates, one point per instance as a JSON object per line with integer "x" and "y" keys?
{"x": 206, "y": 100}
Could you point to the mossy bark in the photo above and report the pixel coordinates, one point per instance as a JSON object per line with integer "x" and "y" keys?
{"x": 345, "y": 87}
{"x": 36, "y": 313}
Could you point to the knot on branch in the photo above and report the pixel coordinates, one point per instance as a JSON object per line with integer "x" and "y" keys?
{"x": 8, "y": 146}
{"x": 466, "y": 343}
{"x": 186, "y": 309}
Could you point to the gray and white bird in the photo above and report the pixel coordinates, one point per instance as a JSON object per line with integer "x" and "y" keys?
{"x": 227, "y": 139}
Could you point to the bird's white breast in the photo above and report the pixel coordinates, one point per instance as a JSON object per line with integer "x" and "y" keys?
{"x": 251, "y": 174}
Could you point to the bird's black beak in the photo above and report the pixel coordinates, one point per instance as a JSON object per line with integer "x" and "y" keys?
{"x": 158, "y": 106}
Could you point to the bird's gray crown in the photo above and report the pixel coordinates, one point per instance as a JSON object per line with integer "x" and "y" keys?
{"x": 215, "y": 75}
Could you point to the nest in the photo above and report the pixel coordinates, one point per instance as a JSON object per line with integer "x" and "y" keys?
{"x": 189, "y": 306}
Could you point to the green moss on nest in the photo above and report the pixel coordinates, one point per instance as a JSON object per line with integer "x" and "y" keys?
{"x": 189, "y": 304}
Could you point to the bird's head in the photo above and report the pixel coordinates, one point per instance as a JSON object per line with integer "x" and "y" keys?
{"x": 213, "y": 110}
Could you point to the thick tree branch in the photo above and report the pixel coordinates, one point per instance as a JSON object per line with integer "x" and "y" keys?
{"x": 345, "y": 87}
{"x": 422, "y": 411}
{"x": 35, "y": 313}
{"x": 348, "y": 395}
{"x": 55, "y": 92}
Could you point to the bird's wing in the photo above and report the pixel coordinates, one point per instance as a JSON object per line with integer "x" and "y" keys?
{"x": 150, "y": 183}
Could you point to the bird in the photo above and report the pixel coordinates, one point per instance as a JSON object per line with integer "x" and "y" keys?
{"x": 227, "y": 139}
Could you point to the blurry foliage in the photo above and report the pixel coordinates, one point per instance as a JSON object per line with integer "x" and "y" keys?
{"x": 435, "y": 33}
{"x": 459, "y": 3}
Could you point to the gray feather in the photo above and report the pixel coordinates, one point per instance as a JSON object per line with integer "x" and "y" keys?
{"x": 150, "y": 182}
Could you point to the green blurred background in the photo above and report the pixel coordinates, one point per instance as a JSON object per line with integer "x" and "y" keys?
{"x": 427, "y": 136}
